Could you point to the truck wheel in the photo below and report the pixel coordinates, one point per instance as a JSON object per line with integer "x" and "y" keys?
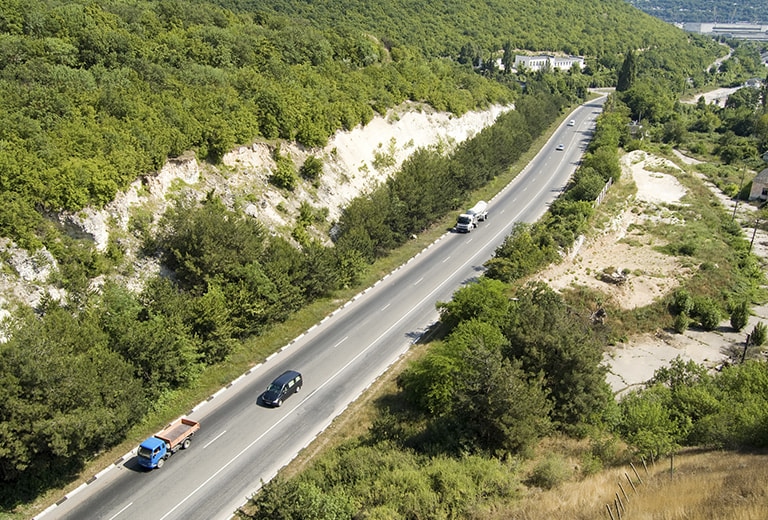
{"x": 160, "y": 463}
{"x": 186, "y": 443}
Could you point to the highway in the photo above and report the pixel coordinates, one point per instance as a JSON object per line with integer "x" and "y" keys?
{"x": 242, "y": 444}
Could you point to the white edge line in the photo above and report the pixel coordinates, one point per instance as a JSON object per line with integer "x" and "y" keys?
{"x": 104, "y": 471}
{"x": 47, "y": 510}
{"x": 77, "y": 490}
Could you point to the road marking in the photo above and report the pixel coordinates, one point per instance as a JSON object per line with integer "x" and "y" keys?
{"x": 387, "y": 305}
{"x": 446, "y": 259}
{"x": 214, "y": 439}
{"x": 342, "y": 340}
{"x": 360, "y": 354}
{"x": 121, "y": 511}
{"x": 417, "y": 282}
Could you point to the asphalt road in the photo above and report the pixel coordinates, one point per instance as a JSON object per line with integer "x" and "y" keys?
{"x": 242, "y": 444}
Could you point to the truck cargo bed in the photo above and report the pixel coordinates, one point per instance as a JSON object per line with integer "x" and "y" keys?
{"x": 178, "y": 431}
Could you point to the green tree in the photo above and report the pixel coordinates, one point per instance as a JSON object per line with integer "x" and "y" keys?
{"x": 499, "y": 408}
{"x": 211, "y": 321}
{"x": 649, "y": 100}
{"x": 628, "y": 72}
{"x": 520, "y": 254}
{"x": 64, "y": 396}
{"x": 708, "y": 313}
{"x": 549, "y": 339}
{"x": 741, "y": 419}
{"x": 430, "y": 382}
{"x": 152, "y": 334}
{"x": 647, "y": 423}
{"x": 205, "y": 241}
{"x": 284, "y": 175}
{"x": 487, "y": 301}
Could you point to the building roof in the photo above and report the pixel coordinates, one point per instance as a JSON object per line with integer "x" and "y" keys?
{"x": 762, "y": 177}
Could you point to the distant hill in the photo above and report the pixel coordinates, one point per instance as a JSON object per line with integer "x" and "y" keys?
{"x": 720, "y": 11}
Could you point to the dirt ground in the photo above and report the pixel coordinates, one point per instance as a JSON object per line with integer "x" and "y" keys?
{"x": 621, "y": 249}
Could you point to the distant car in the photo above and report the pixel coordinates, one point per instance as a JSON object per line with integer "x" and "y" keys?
{"x": 560, "y": 147}
{"x": 286, "y": 384}
{"x": 572, "y": 122}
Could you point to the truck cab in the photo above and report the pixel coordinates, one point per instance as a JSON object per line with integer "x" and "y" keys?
{"x": 470, "y": 218}
{"x": 465, "y": 223}
{"x": 152, "y": 453}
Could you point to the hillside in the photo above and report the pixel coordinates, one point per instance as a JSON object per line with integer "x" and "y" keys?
{"x": 450, "y": 28}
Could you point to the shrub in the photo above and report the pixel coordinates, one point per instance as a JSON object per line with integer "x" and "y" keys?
{"x": 550, "y": 473}
{"x": 312, "y": 168}
{"x": 740, "y": 316}
{"x": 284, "y": 175}
{"x": 708, "y": 313}
{"x": 605, "y": 449}
{"x": 759, "y": 334}
{"x": 687, "y": 248}
{"x": 682, "y": 322}
{"x": 682, "y": 302}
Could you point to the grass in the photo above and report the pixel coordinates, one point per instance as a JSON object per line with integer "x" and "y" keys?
{"x": 701, "y": 486}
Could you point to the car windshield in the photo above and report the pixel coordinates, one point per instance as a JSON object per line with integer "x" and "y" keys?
{"x": 274, "y": 388}
{"x": 144, "y": 452}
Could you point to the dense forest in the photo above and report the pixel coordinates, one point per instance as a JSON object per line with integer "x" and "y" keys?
{"x": 97, "y": 94}
{"x": 711, "y": 11}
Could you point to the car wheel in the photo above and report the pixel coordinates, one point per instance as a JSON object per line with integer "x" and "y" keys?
{"x": 279, "y": 403}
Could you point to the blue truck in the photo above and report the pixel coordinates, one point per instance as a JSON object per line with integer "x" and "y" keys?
{"x": 154, "y": 451}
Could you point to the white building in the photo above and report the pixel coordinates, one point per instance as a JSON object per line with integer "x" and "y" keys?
{"x": 741, "y": 31}
{"x": 541, "y": 61}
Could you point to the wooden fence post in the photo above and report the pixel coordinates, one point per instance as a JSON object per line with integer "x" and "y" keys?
{"x": 630, "y": 482}
{"x": 610, "y": 513}
{"x": 623, "y": 492}
{"x": 636, "y": 473}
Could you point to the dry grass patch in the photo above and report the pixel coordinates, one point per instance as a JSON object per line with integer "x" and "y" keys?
{"x": 703, "y": 486}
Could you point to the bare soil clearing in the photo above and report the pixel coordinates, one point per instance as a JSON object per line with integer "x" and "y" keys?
{"x": 621, "y": 247}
